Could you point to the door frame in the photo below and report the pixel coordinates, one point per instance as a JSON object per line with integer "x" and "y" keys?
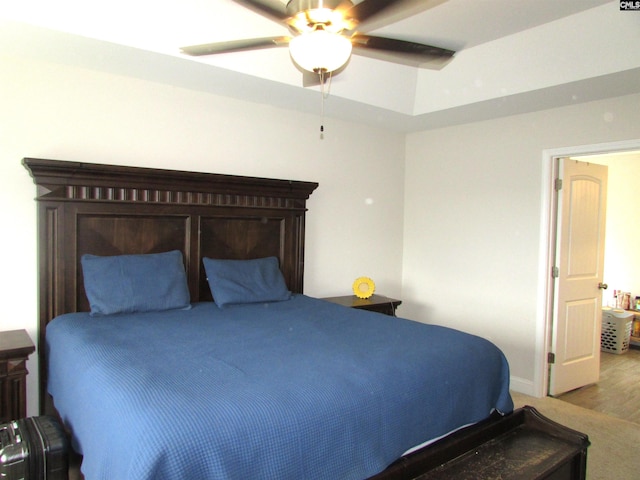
{"x": 547, "y": 249}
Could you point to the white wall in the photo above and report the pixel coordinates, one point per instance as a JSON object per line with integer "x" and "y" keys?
{"x": 354, "y": 224}
{"x": 473, "y": 209}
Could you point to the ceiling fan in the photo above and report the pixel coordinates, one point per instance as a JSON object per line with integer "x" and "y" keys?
{"x": 326, "y": 32}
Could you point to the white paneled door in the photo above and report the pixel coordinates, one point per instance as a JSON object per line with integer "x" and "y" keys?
{"x": 579, "y": 269}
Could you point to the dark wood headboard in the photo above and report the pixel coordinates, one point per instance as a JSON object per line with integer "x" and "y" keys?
{"x": 113, "y": 210}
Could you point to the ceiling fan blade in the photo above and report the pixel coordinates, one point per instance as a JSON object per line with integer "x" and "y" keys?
{"x": 272, "y": 9}
{"x": 373, "y": 14}
{"x": 235, "y": 46}
{"x": 401, "y": 51}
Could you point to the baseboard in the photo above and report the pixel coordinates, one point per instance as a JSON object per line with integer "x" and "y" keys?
{"x": 523, "y": 386}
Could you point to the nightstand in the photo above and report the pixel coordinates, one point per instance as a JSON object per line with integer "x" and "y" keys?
{"x": 15, "y": 347}
{"x": 376, "y": 303}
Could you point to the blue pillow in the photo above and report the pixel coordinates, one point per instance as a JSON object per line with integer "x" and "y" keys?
{"x": 135, "y": 283}
{"x": 246, "y": 281}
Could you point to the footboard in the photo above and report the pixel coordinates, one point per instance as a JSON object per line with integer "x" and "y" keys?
{"x": 524, "y": 444}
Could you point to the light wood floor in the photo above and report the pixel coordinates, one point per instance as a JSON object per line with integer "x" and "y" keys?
{"x": 618, "y": 391}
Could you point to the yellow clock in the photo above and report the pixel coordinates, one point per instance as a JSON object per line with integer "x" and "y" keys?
{"x": 363, "y": 287}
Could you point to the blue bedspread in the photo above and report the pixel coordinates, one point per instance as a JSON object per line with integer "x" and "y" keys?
{"x": 299, "y": 389}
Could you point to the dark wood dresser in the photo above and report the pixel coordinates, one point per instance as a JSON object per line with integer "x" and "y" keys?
{"x": 15, "y": 347}
{"x": 376, "y": 303}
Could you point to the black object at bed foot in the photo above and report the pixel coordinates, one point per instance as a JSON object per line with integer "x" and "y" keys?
{"x": 33, "y": 448}
{"x": 522, "y": 445}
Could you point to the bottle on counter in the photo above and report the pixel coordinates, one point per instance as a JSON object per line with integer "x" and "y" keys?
{"x": 626, "y": 300}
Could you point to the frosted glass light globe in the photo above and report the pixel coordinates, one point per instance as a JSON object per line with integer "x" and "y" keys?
{"x": 320, "y": 50}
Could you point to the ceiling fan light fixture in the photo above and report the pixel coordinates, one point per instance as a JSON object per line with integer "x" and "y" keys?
{"x": 308, "y": 20}
{"x": 305, "y": 15}
{"x": 320, "y": 50}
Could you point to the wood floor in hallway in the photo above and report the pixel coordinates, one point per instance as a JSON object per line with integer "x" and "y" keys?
{"x": 618, "y": 391}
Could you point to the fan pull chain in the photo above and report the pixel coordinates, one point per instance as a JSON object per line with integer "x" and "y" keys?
{"x": 322, "y": 120}
{"x": 321, "y": 74}
{"x": 322, "y": 117}
{"x": 323, "y": 96}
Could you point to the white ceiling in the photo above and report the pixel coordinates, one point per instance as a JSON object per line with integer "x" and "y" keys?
{"x": 513, "y": 55}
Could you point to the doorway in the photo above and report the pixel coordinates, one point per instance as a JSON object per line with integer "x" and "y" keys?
{"x": 547, "y": 245}
{"x": 622, "y": 264}
{"x": 616, "y": 393}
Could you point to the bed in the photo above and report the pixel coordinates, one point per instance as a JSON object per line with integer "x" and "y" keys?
{"x": 219, "y": 366}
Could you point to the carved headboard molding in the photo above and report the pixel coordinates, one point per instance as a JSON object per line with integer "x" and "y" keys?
{"x": 112, "y": 210}
{"x": 87, "y": 181}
